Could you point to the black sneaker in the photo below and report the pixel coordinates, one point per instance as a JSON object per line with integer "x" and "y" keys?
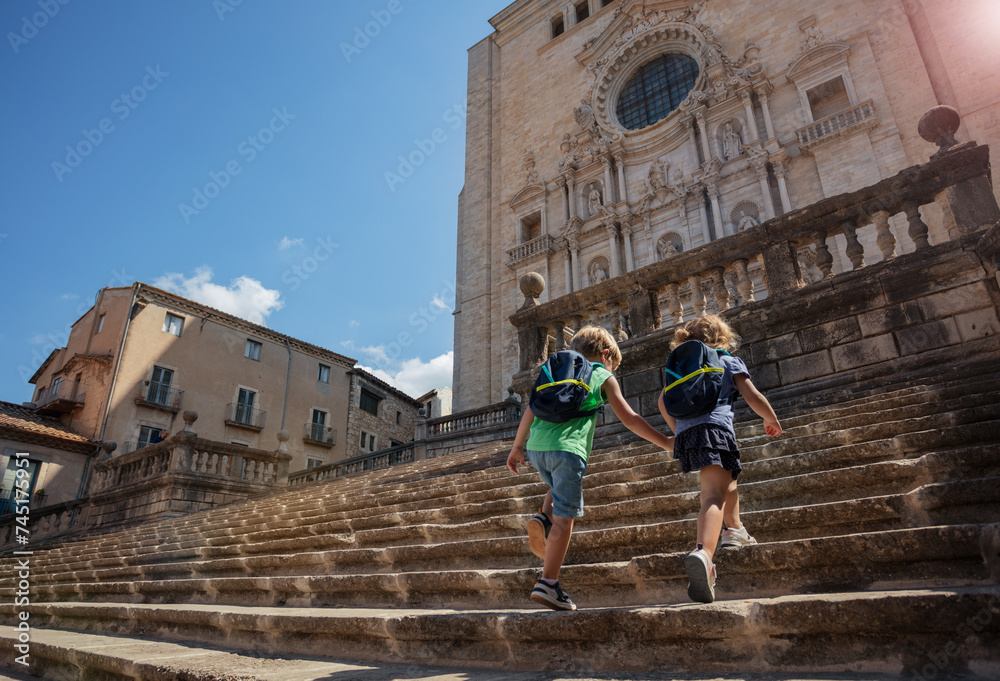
{"x": 538, "y": 531}
{"x": 551, "y": 596}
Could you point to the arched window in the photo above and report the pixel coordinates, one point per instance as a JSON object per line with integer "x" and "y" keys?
{"x": 656, "y": 90}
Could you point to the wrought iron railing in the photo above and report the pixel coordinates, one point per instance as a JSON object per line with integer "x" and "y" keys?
{"x": 245, "y": 416}
{"x": 320, "y": 434}
{"x": 154, "y": 393}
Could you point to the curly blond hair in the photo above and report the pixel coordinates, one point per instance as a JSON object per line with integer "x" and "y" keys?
{"x": 591, "y": 341}
{"x": 711, "y": 330}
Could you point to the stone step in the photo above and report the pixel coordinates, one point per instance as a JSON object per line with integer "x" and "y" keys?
{"x": 651, "y": 480}
{"x": 926, "y": 505}
{"x": 940, "y": 555}
{"x": 943, "y": 630}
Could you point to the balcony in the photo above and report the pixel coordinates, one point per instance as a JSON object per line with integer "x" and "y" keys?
{"x": 159, "y": 396}
{"x": 847, "y": 122}
{"x": 244, "y": 416}
{"x": 62, "y": 400}
{"x": 318, "y": 434}
{"x": 529, "y": 249}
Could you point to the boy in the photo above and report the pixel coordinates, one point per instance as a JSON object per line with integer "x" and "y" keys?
{"x": 559, "y": 452}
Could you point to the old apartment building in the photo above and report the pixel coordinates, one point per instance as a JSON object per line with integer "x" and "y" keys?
{"x": 142, "y": 356}
{"x": 604, "y": 136}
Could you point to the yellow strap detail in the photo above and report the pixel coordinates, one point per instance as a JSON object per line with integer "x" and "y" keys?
{"x": 703, "y": 370}
{"x": 568, "y": 380}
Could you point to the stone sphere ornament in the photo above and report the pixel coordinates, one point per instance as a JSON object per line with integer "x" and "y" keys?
{"x": 532, "y": 285}
{"x": 939, "y": 126}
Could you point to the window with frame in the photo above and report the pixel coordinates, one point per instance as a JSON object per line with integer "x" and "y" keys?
{"x": 100, "y": 324}
{"x": 324, "y": 374}
{"x": 828, "y": 98}
{"x": 583, "y": 11}
{"x": 369, "y": 402}
{"x": 399, "y": 418}
{"x": 558, "y": 27}
{"x": 173, "y": 324}
{"x": 253, "y": 349}
{"x": 244, "y": 406}
{"x": 656, "y": 90}
{"x": 148, "y": 435}
{"x": 313, "y": 463}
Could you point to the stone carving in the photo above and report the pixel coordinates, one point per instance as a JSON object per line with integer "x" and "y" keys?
{"x": 595, "y": 206}
{"x": 531, "y": 175}
{"x": 746, "y": 222}
{"x": 599, "y": 270}
{"x": 584, "y": 115}
{"x": 939, "y": 126}
{"x": 666, "y": 247}
{"x": 568, "y": 148}
{"x": 732, "y": 143}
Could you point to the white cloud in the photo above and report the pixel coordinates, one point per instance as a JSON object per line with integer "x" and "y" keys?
{"x": 415, "y": 377}
{"x": 377, "y": 354}
{"x": 69, "y": 296}
{"x": 244, "y": 297}
{"x": 438, "y": 301}
{"x": 287, "y": 243}
{"x": 355, "y": 324}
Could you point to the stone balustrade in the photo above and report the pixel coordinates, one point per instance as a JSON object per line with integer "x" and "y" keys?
{"x": 630, "y": 305}
{"x": 44, "y": 522}
{"x": 506, "y": 412}
{"x": 384, "y": 458}
{"x": 832, "y": 126}
{"x": 181, "y": 475}
{"x": 542, "y": 244}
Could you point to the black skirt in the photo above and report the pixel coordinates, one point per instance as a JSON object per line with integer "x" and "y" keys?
{"x": 706, "y": 445}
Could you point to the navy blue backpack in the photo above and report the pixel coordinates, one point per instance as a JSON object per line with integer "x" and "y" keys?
{"x": 561, "y": 388}
{"x": 694, "y": 380}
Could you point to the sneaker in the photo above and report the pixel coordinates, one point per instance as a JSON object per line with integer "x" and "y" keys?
{"x": 736, "y": 538}
{"x": 538, "y": 531}
{"x": 701, "y": 576}
{"x": 551, "y": 596}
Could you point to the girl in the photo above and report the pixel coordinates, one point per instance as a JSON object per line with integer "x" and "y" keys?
{"x": 708, "y": 444}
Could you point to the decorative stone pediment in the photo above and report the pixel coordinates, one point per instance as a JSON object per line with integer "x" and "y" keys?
{"x": 527, "y": 194}
{"x": 817, "y": 59}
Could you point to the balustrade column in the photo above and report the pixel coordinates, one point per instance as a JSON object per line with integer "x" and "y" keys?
{"x": 620, "y": 163}
{"x": 781, "y": 268}
{"x": 719, "y": 290}
{"x": 560, "y": 328}
{"x": 698, "y": 302}
{"x": 885, "y": 240}
{"x": 855, "y": 251}
{"x": 824, "y": 259}
{"x": 613, "y": 245}
{"x": 743, "y": 283}
{"x": 674, "y": 305}
{"x": 918, "y": 228}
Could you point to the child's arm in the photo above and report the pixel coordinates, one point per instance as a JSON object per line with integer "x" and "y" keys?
{"x": 671, "y": 421}
{"x": 758, "y": 403}
{"x": 633, "y": 421}
{"x": 516, "y": 456}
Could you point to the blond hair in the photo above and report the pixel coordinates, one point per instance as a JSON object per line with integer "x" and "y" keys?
{"x": 591, "y": 341}
{"x": 711, "y": 330}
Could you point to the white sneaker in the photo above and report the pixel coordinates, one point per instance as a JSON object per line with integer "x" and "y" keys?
{"x": 701, "y": 576}
{"x": 736, "y": 538}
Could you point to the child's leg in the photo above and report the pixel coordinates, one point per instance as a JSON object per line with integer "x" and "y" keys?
{"x": 731, "y": 512}
{"x": 715, "y": 484}
{"x": 547, "y": 504}
{"x": 556, "y": 546}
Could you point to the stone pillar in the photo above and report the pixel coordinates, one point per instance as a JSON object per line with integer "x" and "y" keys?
{"x": 703, "y": 129}
{"x": 918, "y": 228}
{"x": 689, "y": 125}
{"x": 762, "y": 95}
{"x": 569, "y": 15}
{"x": 574, "y": 251}
{"x": 643, "y": 313}
{"x": 562, "y": 186}
{"x": 761, "y": 168}
{"x": 751, "y": 119}
{"x": 674, "y": 305}
{"x": 703, "y": 216}
{"x": 855, "y": 251}
{"x": 884, "y": 239}
{"x": 559, "y": 330}
{"x": 824, "y": 259}
{"x": 613, "y": 245}
{"x": 781, "y": 268}
{"x": 629, "y": 256}
{"x": 569, "y": 268}
{"x": 743, "y": 283}
{"x": 719, "y": 290}
{"x": 620, "y": 163}
{"x": 713, "y": 195}
{"x": 609, "y": 184}
{"x": 698, "y": 302}
{"x": 779, "y": 172}
{"x": 571, "y": 189}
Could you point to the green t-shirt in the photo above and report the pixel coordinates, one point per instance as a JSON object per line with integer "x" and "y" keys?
{"x": 575, "y": 435}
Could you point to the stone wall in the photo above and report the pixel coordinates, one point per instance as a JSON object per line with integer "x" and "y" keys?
{"x": 393, "y": 424}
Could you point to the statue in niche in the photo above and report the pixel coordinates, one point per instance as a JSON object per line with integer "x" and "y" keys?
{"x": 600, "y": 274}
{"x": 594, "y": 204}
{"x": 732, "y": 143}
{"x": 666, "y": 249}
{"x": 658, "y": 175}
{"x": 584, "y": 116}
{"x": 746, "y": 221}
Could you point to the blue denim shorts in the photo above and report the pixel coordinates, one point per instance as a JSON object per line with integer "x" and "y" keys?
{"x": 563, "y": 472}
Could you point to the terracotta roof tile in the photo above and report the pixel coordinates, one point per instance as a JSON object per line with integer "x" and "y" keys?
{"x": 25, "y": 419}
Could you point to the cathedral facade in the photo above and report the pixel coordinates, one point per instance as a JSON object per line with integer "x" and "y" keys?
{"x": 606, "y": 135}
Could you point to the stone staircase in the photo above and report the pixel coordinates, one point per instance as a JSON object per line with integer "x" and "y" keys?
{"x": 877, "y": 514}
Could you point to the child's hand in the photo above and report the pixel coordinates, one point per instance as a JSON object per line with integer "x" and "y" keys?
{"x": 772, "y": 428}
{"x": 515, "y": 459}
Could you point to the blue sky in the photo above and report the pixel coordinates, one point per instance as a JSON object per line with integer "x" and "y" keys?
{"x": 246, "y": 154}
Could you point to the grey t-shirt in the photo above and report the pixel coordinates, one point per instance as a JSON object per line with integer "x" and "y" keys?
{"x": 722, "y": 415}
